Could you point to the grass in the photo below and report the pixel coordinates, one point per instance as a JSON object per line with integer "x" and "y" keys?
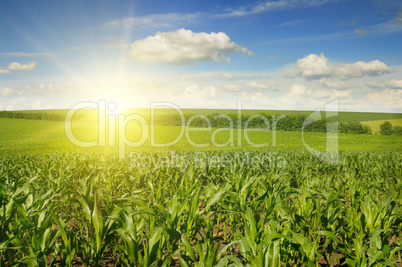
{"x": 375, "y": 125}
{"x": 31, "y": 136}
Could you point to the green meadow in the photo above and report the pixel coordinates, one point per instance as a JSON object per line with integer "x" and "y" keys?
{"x": 20, "y": 136}
{"x": 375, "y": 124}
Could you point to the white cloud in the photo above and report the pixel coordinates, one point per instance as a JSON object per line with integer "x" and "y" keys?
{"x": 40, "y": 89}
{"x": 226, "y": 75}
{"x": 43, "y": 89}
{"x": 361, "y": 68}
{"x": 398, "y": 18}
{"x": 302, "y": 97}
{"x": 184, "y": 47}
{"x": 397, "y": 84}
{"x": 25, "y": 67}
{"x": 317, "y": 66}
{"x": 169, "y": 20}
{"x": 361, "y": 31}
{"x": 14, "y": 104}
{"x": 297, "y": 90}
{"x": 231, "y": 88}
{"x": 271, "y": 6}
{"x": 261, "y": 86}
{"x": 387, "y": 98}
{"x": 393, "y": 84}
{"x": 38, "y": 104}
{"x": 333, "y": 84}
{"x": 3, "y": 71}
{"x": 375, "y": 85}
{"x": 262, "y": 7}
{"x": 251, "y": 86}
{"x": 313, "y": 66}
{"x": 32, "y": 55}
{"x": 10, "y": 91}
{"x": 152, "y": 21}
{"x": 187, "y": 77}
{"x": 121, "y": 43}
{"x": 290, "y": 23}
{"x": 253, "y": 100}
{"x": 194, "y": 91}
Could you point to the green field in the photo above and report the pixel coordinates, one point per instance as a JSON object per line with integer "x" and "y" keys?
{"x": 224, "y": 204}
{"x": 342, "y": 115}
{"x": 217, "y": 208}
{"x": 375, "y": 125}
{"x": 20, "y": 136}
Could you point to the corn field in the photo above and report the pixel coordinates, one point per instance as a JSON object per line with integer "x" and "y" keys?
{"x": 96, "y": 210}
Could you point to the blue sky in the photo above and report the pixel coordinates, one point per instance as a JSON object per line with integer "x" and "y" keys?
{"x": 284, "y": 54}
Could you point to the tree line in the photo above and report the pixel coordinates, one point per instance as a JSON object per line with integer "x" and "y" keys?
{"x": 266, "y": 121}
{"x": 39, "y": 116}
{"x": 216, "y": 120}
{"x": 386, "y": 128}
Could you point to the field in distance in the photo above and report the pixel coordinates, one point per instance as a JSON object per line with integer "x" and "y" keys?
{"x": 19, "y": 136}
{"x": 343, "y": 116}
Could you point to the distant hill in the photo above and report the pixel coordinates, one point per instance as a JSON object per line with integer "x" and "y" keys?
{"x": 343, "y": 116}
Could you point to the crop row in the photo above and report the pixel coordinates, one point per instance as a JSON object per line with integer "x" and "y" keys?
{"x": 93, "y": 209}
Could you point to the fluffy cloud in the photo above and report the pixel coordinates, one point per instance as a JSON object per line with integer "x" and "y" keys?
{"x": 387, "y": 98}
{"x": 393, "y": 84}
{"x": 43, "y": 89}
{"x": 38, "y": 104}
{"x": 226, "y": 75}
{"x": 231, "y": 88}
{"x": 299, "y": 95}
{"x": 10, "y": 91}
{"x": 313, "y": 66}
{"x": 25, "y": 67}
{"x": 194, "y": 91}
{"x": 251, "y": 86}
{"x": 253, "y": 100}
{"x": 261, "y": 86}
{"x": 317, "y": 66}
{"x": 397, "y": 84}
{"x": 40, "y": 89}
{"x": 184, "y": 47}
{"x": 14, "y": 104}
{"x": 3, "y": 71}
{"x": 187, "y": 77}
{"x": 333, "y": 84}
{"x": 297, "y": 90}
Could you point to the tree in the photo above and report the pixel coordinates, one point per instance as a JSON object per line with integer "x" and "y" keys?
{"x": 386, "y": 128}
{"x": 354, "y": 127}
{"x": 367, "y": 129}
{"x": 397, "y": 130}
